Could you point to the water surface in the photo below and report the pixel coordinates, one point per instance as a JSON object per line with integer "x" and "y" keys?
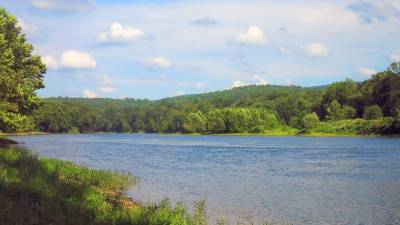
{"x": 301, "y": 180}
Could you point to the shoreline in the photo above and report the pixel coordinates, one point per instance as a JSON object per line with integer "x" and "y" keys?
{"x": 268, "y": 134}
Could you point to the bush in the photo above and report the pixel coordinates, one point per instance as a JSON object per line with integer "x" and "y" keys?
{"x": 310, "y": 121}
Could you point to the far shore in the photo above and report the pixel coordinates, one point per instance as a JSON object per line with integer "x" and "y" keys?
{"x": 271, "y": 133}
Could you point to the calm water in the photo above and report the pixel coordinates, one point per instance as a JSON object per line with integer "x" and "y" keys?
{"x": 301, "y": 180}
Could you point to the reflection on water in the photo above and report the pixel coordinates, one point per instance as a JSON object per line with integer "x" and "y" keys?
{"x": 301, "y": 180}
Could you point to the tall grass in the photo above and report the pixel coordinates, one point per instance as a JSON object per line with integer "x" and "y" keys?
{"x": 47, "y": 191}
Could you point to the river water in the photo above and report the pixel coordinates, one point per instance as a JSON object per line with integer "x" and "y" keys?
{"x": 297, "y": 180}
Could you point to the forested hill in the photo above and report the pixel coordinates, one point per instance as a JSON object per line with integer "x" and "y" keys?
{"x": 247, "y": 95}
{"x": 348, "y": 107}
{"x": 101, "y": 103}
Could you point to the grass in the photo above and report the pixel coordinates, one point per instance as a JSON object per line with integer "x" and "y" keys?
{"x": 47, "y": 191}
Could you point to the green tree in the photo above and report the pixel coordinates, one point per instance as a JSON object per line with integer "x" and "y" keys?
{"x": 310, "y": 121}
{"x": 343, "y": 92}
{"x": 215, "y": 122}
{"x": 334, "y": 111}
{"x": 383, "y": 89}
{"x": 195, "y": 123}
{"x": 372, "y": 112}
{"x": 21, "y": 74}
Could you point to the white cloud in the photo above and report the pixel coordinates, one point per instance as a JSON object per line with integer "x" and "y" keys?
{"x": 73, "y": 59}
{"x": 89, "y": 94}
{"x": 394, "y": 57}
{"x": 366, "y": 72}
{"x": 158, "y": 62}
{"x": 27, "y": 28}
{"x": 316, "y": 50}
{"x": 238, "y": 83}
{"x": 255, "y": 81}
{"x": 119, "y": 33}
{"x": 253, "y": 35}
{"x": 63, "y": 5}
{"x": 260, "y": 81}
{"x": 50, "y": 62}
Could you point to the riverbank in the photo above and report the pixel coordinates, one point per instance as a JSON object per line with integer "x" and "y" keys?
{"x": 339, "y": 128}
{"x": 49, "y": 191}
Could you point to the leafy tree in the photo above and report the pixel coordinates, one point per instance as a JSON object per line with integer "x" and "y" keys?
{"x": 383, "y": 89}
{"x": 343, "y": 92}
{"x": 21, "y": 74}
{"x": 195, "y": 123}
{"x": 334, "y": 111}
{"x": 215, "y": 122}
{"x": 310, "y": 121}
{"x": 52, "y": 117}
{"x": 372, "y": 112}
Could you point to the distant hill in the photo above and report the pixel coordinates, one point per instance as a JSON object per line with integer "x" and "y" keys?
{"x": 251, "y": 93}
{"x": 224, "y": 98}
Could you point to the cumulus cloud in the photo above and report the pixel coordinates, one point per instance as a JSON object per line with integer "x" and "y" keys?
{"x": 205, "y": 22}
{"x": 63, "y": 5}
{"x": 316, "y": 50}
{"x": 366, "y": 71}
{"x": 254, "y": 35}
{"x": 256, "y": 80}
{"x": 394, "y": 57}
{"x": 72, "y": 59}
{"x": 238, "y": 83}
{"x": 119, "y": 33}
{"x": 260, "y": 81}
{"x": 50, "y": 62}
{"x": 89, "y": 94}
{"x": 159, "y": 62}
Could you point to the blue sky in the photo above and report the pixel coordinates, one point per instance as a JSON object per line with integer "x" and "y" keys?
{"x": 156, "y": 49}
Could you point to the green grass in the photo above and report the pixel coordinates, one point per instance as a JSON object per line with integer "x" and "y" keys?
{"x": 353, "y": 127}
{"x": 47, "y": 191}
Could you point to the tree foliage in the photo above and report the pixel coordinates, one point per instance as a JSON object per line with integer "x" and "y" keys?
{"x": 21, "y": 74}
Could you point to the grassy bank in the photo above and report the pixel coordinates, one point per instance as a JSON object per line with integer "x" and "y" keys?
{"x": 47, "y": 191}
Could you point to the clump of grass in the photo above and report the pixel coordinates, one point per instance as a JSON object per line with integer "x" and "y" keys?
{"x": 48, "y": 191}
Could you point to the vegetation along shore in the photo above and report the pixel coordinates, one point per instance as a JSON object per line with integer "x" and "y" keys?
{"x": 49, "y": 191}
